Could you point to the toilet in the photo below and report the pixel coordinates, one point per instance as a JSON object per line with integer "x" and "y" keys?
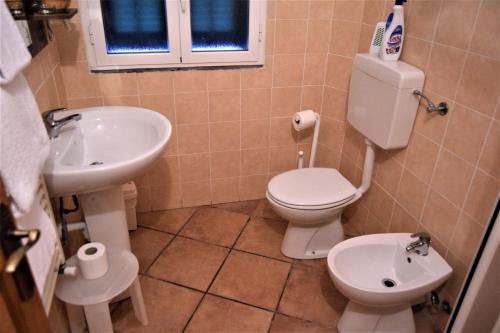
{"x": 382, "y": 107}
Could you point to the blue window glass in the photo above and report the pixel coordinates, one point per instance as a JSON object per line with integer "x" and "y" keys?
{"x": 219, "y": 25}
{"x": 135, "y": 26}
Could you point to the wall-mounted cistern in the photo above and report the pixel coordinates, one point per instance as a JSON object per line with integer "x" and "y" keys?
{"x": 53, "y": 126}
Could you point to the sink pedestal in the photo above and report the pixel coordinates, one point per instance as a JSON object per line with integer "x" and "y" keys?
{"x": 362, "y": 318}
{"x": 106, "y": 217}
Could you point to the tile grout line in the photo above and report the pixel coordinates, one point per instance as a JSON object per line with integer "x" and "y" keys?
{"x": 281, "y": 296}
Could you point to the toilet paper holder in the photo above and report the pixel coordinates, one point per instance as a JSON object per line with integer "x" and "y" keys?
{"x": 441, "y": 108}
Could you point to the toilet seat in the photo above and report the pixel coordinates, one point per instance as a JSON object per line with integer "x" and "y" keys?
{"x": 310, "y": 189}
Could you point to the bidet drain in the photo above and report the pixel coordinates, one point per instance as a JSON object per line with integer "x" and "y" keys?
{"x": 389, "y": 283}
{"x": 96, "y": 163}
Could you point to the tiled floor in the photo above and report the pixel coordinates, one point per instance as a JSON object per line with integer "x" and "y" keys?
{"x": 220, "y": 269}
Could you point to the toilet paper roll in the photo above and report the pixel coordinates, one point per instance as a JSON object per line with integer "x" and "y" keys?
{"x": 93, "y": 260}
{"x": 303, "y": 120}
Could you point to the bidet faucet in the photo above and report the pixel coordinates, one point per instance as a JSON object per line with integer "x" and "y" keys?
{"x": 420, "y": 246}
{"x": 53, "y": 126}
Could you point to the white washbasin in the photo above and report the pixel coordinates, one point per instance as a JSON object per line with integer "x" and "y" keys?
{"x": 360, "y": 265}
{"x": 107, "y": 147}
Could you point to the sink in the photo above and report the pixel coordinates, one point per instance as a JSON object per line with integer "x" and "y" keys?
{"x": 382, "y": 281}
{"x": 107, "y": 147}
{"x": 93, "y": 157}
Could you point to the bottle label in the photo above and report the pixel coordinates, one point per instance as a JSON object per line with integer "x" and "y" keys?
{"x": 394, "y": 42}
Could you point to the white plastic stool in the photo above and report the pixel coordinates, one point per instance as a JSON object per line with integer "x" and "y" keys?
{"x": 92, "y": 297}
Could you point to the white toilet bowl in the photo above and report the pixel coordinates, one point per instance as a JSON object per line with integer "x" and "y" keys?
{"x": 312, "y": 200}
{"x": 382, "y": 280}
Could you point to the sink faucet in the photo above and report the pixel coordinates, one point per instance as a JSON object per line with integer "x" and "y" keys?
{"x": 420, "y": 246}
{"x": 53, "y": 126}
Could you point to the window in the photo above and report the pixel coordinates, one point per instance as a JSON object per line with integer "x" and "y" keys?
{"x": 128, "y": 34}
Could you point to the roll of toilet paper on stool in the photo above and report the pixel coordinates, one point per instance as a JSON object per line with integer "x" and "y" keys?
{"x": 303, "y": 120}
{"x": 93, "y": 260}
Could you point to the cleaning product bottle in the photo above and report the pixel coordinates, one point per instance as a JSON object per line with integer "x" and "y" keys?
{"x": 392, "y": 43}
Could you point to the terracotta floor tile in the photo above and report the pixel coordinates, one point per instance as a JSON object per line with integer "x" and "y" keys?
{"x": 265, "y": 210}
{"x": 168, "y": 306}
{"x": 316, "y": 264}
{"x": 216, "y": 226}
{"x": 166, "y": 220}
{"x": 216, "y": 314}
{"x": 242, "y": 207}
{"x": 251, "y": 279}
{"x": 285, "y": 324}
{"x": 263, "y": 237}
{"x": 147, "y": 245}
{"x": 311, "y": 295}
{"x": 189, "y": 262}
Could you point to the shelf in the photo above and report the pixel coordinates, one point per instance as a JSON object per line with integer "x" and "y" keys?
{"x": 66, "y": 15}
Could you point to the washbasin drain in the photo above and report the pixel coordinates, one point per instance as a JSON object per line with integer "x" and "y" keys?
{"x": 389, "y": 283}
{"x": 96, "y": 163}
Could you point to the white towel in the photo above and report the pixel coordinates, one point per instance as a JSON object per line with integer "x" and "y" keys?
{"x": 24, "y": 143}
{"x": 14, "y": 55}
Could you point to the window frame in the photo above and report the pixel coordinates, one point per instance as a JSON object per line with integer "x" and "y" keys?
{"x": 179, "y": 34}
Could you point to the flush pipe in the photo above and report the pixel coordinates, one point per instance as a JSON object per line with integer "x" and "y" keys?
{"x": 314, "y": 146}
{"x": 367, "y": 170}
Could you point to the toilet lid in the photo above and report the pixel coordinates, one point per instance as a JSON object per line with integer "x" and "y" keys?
{"x": 310, "y": 187}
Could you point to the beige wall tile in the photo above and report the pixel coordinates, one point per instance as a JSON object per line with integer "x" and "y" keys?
{"x": 166, "y": 197}
{"x": 155, "y": 83}
{"x": 84, "y": 102}
{"x": 224, "y": 136}
{"x": 46, "y": 97}
{"x": 481, "y": 199}
{"x": 480, "y": 85}
{"x": 78, "y": 82}
{"x": 296, "y": 9}
{"x": 321, "y": 9}
{"x": 225, "y": 190}
{"x": 452, "y": 177}
{"x": 388, "y": 172}
{"x": 282, "y": 132}
{"x": 348, "y": 10}
{"x": 490, "y": 158}
{"x": 196, "y": 194}
{"x": 118, "y": 84}
{"x": 193, "y": 138}
{"x": 411, "y": 194}
{"x": 288, "y": 70}
{"x": 225, "y": 164}
{"x": 312, "y": 98}
{"x": 70, "y": 43}
{"x": 224, "y": 80}
{"x": 318, "y": 36}
{"x": 332, "y": 133}
{"x": 190, "y": 81}
{"x": 314, "y": 69}
{"x": 380, "y": 203}
{"x": 254, "y": 162}
{"x": 254, "y": 134}
{"x": 121, "y": 100}
{"x": 224, "y": 105}
{"x": 338, "y": 72}
{"x": 444, "y": 70}
{"x": 285, "y": 101}
{"x": 164, "y": 171}
{"x": 372, "y": 12}
{"x": 334, "y": 103}
{"x": 440, "y": 217}
{"x": 466, "y": 133}
{"x": 270, "y": 36}
{"x": 453, "y": 11}
{"x": 427, "y": 123}
{"x": 345, "y": 38}
{"x": 160, "y": 103}
{"x": 466, "y": 238}
{"x": 416, "y": 52}
{"x": 258, "y": 77}
{"x": 291, "y": 36}
{"x": 283, "y": 158}
{"x": 194, "y": 167}
{"x": 255, "y": 104}
{"x": 191, "y": 108}
{"x": 422, "y": 19}
{"x": 401, "y": 221}
{"x": 421, "y": 157}
{"x": 486, "y": 30}
{"x": 252, "y": 187}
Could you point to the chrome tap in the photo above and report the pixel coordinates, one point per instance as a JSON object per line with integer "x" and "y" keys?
{"x": 53, "y": 126}
{"x": 420, "y": 246}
